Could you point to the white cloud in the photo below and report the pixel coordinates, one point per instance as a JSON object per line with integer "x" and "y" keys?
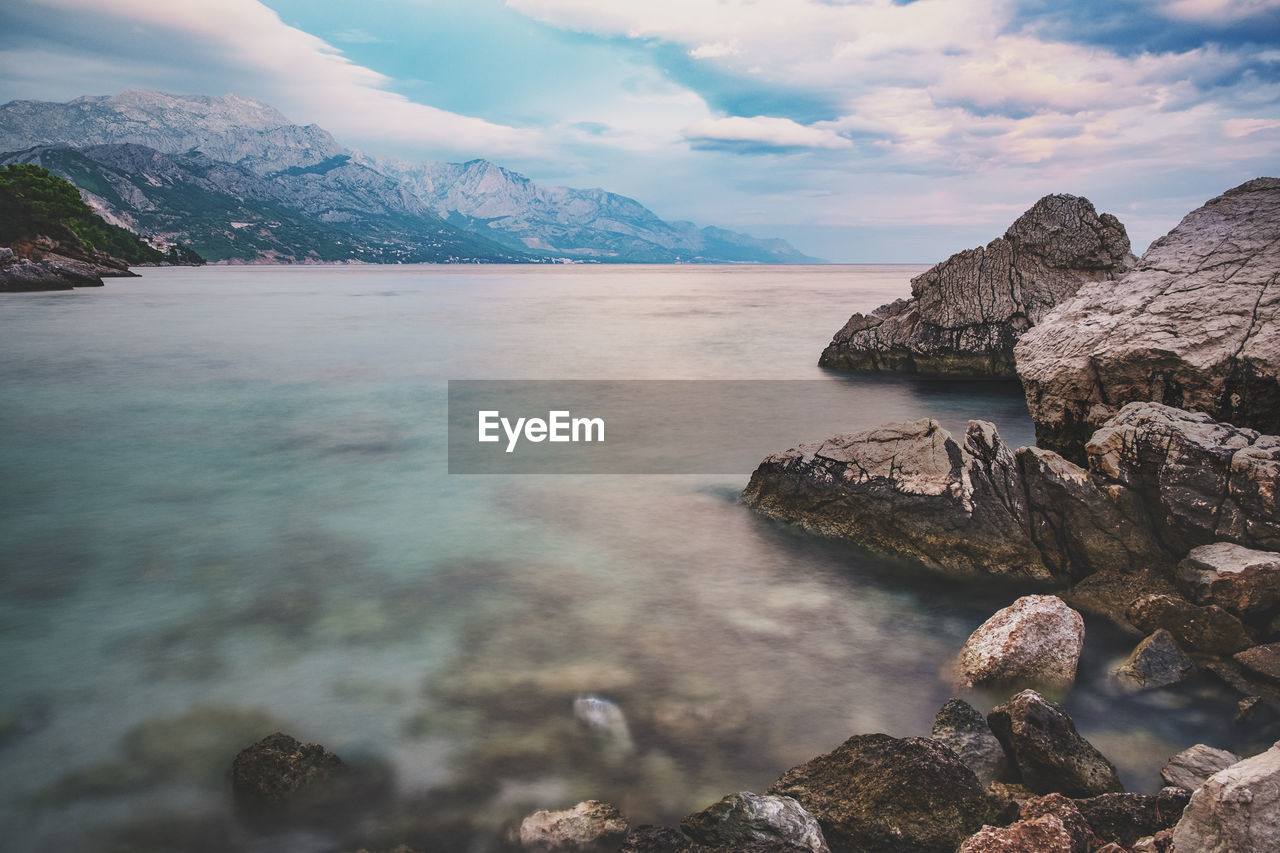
{"x": 714, "y": 49}
{"x": 762, "y": 132}
{"x": 305, "y": 77}
{"x": 1216, "y": 11}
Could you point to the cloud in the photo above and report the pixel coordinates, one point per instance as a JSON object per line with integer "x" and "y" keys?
{"x": 305, "y": 77}
{"x": 714, "y": 50}
{"x": 1217, "y": 12}
{"x": 761, "y": 134}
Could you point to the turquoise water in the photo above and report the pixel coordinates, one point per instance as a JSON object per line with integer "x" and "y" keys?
{"x": 226, "y": 511}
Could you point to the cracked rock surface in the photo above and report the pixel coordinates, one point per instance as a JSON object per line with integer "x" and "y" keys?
{"x": 1195, "y": 325}
{"x": 966, "y": 313}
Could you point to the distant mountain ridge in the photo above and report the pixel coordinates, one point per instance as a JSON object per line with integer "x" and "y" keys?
{"x": 231, "y": 156}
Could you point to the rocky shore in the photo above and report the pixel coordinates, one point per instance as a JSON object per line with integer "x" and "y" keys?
{"x": 43, "y": 263}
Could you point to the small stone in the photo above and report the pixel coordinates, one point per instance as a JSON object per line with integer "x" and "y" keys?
{"x": 1158, "y": 661}
{"x": 745, "y": 818}
{"x": 1049, "y": 753}
{"x": 1247, "y": 708}
{"x": 1264, "y": 660}
{"x": 1034, "y": 642}
{"x": 1044, "y": 834}
{"x": 1192, "y": 767}
{"x": 964, "y": 730}
{"x": 589, "y": 827}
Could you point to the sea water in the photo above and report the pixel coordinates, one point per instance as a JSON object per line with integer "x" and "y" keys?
{"x": 225, "y": 511}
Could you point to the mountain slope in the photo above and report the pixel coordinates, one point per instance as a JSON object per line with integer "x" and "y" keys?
{"x": 226, "y": 212}
{"x": 440, "y": 211}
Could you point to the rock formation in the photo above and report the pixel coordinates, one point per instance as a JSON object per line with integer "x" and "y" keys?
{"x": 1049, "y": 753}
{"x": 962, "y": 729}
{"x": 280, "y": 775}
{"x": 1196, "y": 325}
{"x": 745, "y": 818}
{"x": 1237, "y": 809}
{"x": 1044, "y": 834}
{"x": 1192, "y": 767}
{"x": 1160, "y": 482}
{"x": 966, "y": 313}
{"x": 1158, "y": 661}
{"x": 589, "y": 827}
{"x": 879, "y": 794}
{"x": 1034, "y": 642}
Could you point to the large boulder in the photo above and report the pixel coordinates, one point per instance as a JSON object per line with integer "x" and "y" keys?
{"x": 746, "y": 818}
{"x": 1242, "y": 580}
{"x": 1236, "y": 811}
{"x": 1124, "y": 818}
{"x": 908, "y": 488}
{"x": 1202, "y": 481}
{"x": 1034, "y": 642}
{"x": 1049, "y": 753}
{"x": 963, "y": 729}
{"x": 589, "y": 827}
{"x": 1208, "y": 630}
{"x": 879, "y": 794}
{"x": 1192, "y": 767}
{"x": 966, "y": 313}
{"x": 1195, "y": 325}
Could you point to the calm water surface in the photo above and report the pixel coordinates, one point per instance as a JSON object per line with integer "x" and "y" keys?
{"x": 225, "y": 511}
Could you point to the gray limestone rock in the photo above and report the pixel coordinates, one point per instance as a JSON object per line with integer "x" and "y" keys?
{"x": 1192, "y": 767}
{"x": 1236, "y": 811}
{"x": 964, "y": 730}
{"x": 966, "y": 313}
{"x": 1158, "y": 661}
{"x": 1242, "y": 580}
{"x": 745, "y": 818}
{"x": 1195, "y": 325}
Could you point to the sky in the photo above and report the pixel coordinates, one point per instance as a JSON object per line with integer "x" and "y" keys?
{"x": 860, "y": 130}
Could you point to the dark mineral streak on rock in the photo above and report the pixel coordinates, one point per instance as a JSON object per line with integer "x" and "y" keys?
{"x": 966, "y": 313}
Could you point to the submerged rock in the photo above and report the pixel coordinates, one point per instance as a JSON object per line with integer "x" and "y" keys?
{"x": 280, "y": 774}
{"x": 1051, "y": 756}
{"x": 746, "y": 818}
{"x": 1158, "y": 661}
{"x": 879, "y": 794}
{"x": 607, "y": 720}
{"x": 1196, "y": 324}
{"x": 1034, "y": 642}
{"x": 1043, "y": 834}
{"x": 1192, "y": 767}
{"x": 964, "y": 730}
{"x": 966, "y": 313}
{"x": 589, "y": 827}
{"x": 1236, "y": 811}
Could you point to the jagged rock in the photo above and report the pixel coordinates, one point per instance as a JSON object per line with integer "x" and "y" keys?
{"x": 1203, "y": 481}
{"x": 1158, "y": 661}
{"x": 655, "y": 839}
{"x": 279, "y": 774}
{"x": 1044, "y": 834}
{"x": 1124, "y": 818}
{"x": 1082, "y": 837}
{"x": 745, "y": 818}
{"x": 879, "y": 794}
{"x": 1034, "y": 642}
{"x": 1241, "y": 580}
{"x": 1236, "y": 811}
{"x": 51, "y": 272}
{"x": 1210, "y": 630}
{"x": 1262, "y": 660}
{"x": 1110, "y": 592}
{"x": 1192, "y": 767}
{"x": 589, "y": 827}
{"x": 966, "y": 313}
{"x": 964, "y": 730}
{"x": 908, "y": 488}
{"x": 1196, "y": 324}
{"x": 1051, "y": 756}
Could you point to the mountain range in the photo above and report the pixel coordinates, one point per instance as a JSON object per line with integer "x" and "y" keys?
{"x": 237, "y": 181}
